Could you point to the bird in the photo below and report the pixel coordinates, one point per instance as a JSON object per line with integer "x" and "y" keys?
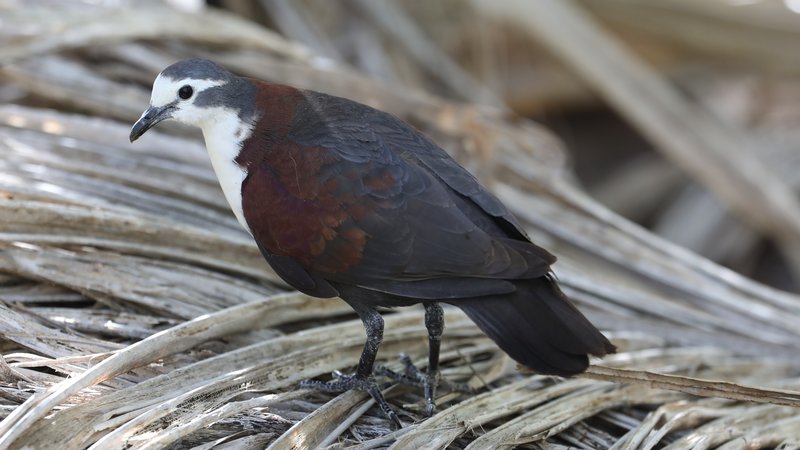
{"x": 344, "y": 200}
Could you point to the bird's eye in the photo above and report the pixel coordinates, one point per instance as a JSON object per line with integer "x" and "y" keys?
{"x": 185, "y": 92}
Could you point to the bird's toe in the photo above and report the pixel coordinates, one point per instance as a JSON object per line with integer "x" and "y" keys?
{"x": 343, "y": 382}
{"x": 429, "y": 381}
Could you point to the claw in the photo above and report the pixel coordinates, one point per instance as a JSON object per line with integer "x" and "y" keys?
{"x": 411, "y": 375}
{"x": 343, "y": 383}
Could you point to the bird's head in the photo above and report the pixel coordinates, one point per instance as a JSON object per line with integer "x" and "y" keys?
{"x": 194, "y": 92}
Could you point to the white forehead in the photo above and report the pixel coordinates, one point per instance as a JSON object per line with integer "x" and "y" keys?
{"x": 165, "y": 89}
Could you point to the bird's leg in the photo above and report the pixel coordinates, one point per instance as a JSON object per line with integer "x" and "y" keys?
{"x": 434, "y": 322}
{"x": 362, "y": 380}
{"x": 430, "y": 379}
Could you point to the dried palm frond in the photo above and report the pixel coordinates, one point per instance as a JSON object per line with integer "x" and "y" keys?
{"x": 136, "y": 313}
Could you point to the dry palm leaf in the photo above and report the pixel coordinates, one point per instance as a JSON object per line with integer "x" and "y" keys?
{"x": 136, "y": 313}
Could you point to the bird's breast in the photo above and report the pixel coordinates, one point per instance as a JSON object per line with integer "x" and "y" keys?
{"x": 296, "y": 206}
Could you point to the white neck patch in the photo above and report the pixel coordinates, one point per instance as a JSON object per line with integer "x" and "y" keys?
{"x": 224, "y": 133}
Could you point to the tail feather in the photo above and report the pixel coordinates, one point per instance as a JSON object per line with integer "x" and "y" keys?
{"x": 538, "y": 327}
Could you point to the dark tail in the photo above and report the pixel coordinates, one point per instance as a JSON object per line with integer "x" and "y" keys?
{"x": 538, "y": 327}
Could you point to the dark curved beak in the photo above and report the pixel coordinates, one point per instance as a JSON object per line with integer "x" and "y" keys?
{"x": 149, "y": 119}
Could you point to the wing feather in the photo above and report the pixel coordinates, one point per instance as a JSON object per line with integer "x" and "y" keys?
{"x": 430, "y": 230}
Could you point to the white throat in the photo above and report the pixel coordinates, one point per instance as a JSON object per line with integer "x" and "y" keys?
{"x": 224, "y": 135}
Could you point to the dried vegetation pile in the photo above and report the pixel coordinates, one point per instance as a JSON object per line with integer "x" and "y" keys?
{"x": 136, "y": 313}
